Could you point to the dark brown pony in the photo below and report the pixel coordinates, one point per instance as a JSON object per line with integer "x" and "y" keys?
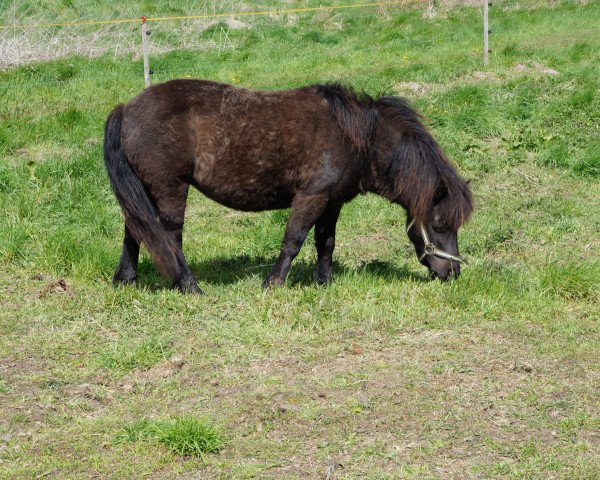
{"x": 312, "y": 148}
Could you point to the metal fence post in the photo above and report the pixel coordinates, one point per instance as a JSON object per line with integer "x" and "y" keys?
{"x": 145, "y": 33}
{"x": 486, "y": 34}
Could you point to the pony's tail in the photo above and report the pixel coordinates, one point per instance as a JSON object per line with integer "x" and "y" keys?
{"x": 141, "y": 215}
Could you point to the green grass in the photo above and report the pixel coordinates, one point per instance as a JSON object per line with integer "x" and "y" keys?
{"x": 494, "y": 375}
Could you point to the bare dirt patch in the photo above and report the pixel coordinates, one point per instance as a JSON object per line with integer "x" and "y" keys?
{"x": 163, "y": 370}
{"x": 416, "y": 89}
{"x": 535, "y": 68}
{"x": 21, "y": 377}
{"x": 412, "y": 88}
{"x": 380, "y": 403}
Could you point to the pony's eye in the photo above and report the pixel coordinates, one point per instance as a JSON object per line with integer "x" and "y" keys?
{"x": 438, "y": 228}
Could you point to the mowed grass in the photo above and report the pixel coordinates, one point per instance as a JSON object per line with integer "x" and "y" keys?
{"x": 382, "y": 374}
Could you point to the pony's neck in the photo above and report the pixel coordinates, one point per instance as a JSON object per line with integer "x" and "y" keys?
{"x": 375, "y": 182}
{"x": 377, "y": 179}
{"x": 405, "y": 166}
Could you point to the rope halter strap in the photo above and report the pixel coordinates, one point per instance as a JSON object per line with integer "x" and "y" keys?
{"x": 430, "y": 249}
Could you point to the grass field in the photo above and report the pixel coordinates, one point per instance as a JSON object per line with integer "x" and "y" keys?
{"x": 380, "y": 375}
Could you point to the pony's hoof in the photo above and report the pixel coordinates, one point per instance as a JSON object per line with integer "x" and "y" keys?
{"x": 271, "y": 282}
{"x": 322, "y": 281}
{"x": 190, "y": 288}
{"x": 120, "y": 279}
{"x": 323, "y": 277}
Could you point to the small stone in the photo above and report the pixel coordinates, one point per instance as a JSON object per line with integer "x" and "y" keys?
{"x": 177, "y": 361}
{"x": 522, "y": 367}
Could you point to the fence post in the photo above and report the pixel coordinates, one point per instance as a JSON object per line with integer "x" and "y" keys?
{"x": 145, "y": 33}
{"x": 486, "y": 34}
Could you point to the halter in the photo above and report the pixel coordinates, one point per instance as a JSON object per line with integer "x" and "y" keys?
{"x": 430, "y": 248}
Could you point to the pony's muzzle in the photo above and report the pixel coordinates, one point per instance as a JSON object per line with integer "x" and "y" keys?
{"x": 443, "y": 269}
{"x": 452, "y": 273}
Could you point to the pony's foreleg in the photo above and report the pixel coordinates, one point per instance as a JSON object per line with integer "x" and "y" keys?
{"x": 325, "y": 243}
{"x": 127, "y": 270}
{"x": 306, "y": 210}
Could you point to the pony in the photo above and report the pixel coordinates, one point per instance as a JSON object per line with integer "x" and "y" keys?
{"x": 313, "y": 149}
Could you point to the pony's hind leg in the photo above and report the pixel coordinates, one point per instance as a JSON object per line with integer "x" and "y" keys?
{"x": 186, "y": 283}
{"x": 306, "y": 209}
{"x": 171, "y": 211}
{"x": 127, "y": 270}
{"x": 325, "y": 243}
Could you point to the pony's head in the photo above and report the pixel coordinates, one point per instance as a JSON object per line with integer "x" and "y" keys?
{"x": 410, "y": 169}
{"x": 403, "y": 163}
{"x": 435, "y": 238}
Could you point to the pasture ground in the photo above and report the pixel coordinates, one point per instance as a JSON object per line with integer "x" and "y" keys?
{"x": 382, "y": 374}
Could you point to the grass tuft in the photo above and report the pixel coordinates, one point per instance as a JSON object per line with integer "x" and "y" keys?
{"x": 189, "y": 436}
{"x": 186, "y": 436}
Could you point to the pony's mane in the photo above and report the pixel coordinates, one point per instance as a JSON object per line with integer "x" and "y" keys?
{"x": 354, "y": 113}
{"x": 423, "y": 175}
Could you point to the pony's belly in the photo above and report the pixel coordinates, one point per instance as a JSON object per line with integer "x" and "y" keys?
{"x": 243, "y": 184}
{"x": 245, "y": 198}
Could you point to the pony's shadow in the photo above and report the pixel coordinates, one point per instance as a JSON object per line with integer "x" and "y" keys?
{"x": 231, "y": 270}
